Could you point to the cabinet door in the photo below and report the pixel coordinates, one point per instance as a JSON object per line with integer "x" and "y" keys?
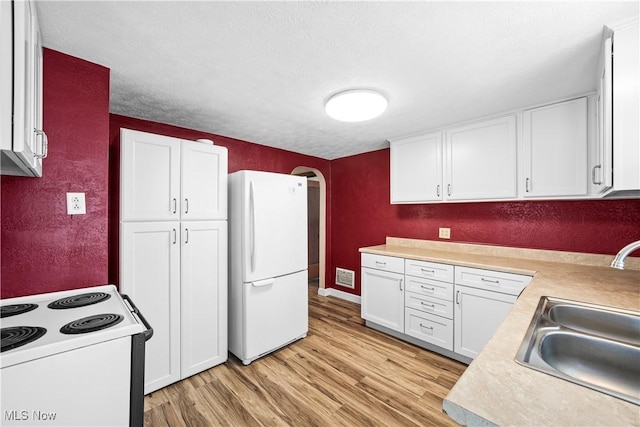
{"x": 150, "y": 176}
{"x": 204, "y": 181}
{"x": 602, "y": 168}
{"x": 23, "y": 150}
{"x": 203, "y": 300}
{"x": 416, "y": 169}
{"x": 481, "y": 160}
{"x": 478, "y": 313}
{"x": 626, "y": 108}
{"x": 555, "y": 150}
{"x": 150, "y": 275}
{"x": 383, "y": 298}
{"x": 6, "y": 75}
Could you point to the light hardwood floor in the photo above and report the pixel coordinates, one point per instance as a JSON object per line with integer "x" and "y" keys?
{"x": 341, "y": 374}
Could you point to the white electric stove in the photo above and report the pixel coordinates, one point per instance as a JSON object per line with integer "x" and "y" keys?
{"x": 72, "y": 358}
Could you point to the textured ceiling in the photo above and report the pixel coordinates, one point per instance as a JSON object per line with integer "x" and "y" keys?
{"x": 262, "y": 71}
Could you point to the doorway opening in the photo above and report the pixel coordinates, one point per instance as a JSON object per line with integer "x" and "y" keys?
{"x": 316, "y": 204}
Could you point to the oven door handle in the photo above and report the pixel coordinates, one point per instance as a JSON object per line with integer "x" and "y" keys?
{"x": 149, "y": 332}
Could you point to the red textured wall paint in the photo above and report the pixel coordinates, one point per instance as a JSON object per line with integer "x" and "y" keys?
{"x": 363, "y": 216}
{"x": 242, "y": 156}
{"x": 43, "y": 248}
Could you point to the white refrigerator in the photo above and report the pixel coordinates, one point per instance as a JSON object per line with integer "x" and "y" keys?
{"x": 268, "y": 262}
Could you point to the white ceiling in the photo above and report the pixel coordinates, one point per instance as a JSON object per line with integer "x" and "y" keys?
{"x": 262, "y": 71}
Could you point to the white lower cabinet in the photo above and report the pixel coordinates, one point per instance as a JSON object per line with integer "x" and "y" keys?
{"x": 150, "y": 275}
{"x": 446, "y": 308}
{"x": 383, "y": 291}
{"x": 203, "y": 296}
{"x": 478, "y": 314}
{"x": 176, "y": 272}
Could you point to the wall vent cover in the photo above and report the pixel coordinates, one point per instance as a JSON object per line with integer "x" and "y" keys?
{"x": 345, "y": 277}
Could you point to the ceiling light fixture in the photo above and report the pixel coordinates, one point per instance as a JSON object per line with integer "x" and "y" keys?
{"x": 356, "y": 105}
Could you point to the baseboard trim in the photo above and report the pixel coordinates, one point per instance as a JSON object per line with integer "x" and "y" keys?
{"x": 330, "y": 292}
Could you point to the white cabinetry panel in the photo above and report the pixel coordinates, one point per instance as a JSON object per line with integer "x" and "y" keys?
{"x": 383, "y": 297}
{"x": 478, "y": 313}
{"x": 203, "y": 295}
{"x": 150, "y": 177}
{"x": 150, "y": 275}
{"x": 202, "y": 196}
{"x": 416, "y": 169}
{"x": 481, "y": 160}
{"x": 555, "y": 150}
{"x": 23, "y": 141}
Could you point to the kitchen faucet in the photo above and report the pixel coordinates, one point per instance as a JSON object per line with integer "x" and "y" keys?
{"x": 618, "y": 261}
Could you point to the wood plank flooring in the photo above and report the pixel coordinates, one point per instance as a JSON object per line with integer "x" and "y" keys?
{"x": 341, "y": 374}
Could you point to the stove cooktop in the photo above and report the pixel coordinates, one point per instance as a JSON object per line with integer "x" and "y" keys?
{"x": 45, "y": 324}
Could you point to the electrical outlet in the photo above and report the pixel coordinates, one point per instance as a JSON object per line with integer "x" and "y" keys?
{"x": 444, "y": 233}
{"x": 76, "y": 204}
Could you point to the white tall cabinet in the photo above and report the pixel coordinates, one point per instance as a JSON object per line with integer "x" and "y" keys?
{"x": 173, "y": 250}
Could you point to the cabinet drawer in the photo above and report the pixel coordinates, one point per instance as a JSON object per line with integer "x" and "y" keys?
{"x": 497, "y": 281}
{"x": 426, "y": 327}
{"x": 429, "y": 270}
{"x": 429, "y": 304}
{"x": 430, "y": 288}
{"x": 382, "y": 262}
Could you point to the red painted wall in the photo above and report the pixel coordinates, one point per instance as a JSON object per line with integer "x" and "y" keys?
{"x": 43, "y": 248}
{"x": 242, "y": 155}
{"x": 363, "y": 216}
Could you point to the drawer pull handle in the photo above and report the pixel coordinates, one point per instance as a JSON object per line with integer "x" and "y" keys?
{"x": 426, "y": 270}
{"x": 432, "y": 306}
{"x": 428, "y": 288}
{"x": 426, "y": 327}
{"x": 493, "y": 282}
{"x": 382, "y": 263}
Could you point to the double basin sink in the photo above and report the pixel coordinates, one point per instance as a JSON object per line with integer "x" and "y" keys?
{"x": 590, "y": 345}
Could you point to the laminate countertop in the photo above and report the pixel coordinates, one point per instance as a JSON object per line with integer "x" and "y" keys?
{"x": 494, "y": 389}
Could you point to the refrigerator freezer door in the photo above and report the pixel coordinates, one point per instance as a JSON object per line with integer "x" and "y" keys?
{"x": 275, "y": 218}
{"x": 275, "y": 314}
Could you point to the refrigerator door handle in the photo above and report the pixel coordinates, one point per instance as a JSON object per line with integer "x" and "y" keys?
{"x": 265, "y": 282}
{"x": 252, "y": 230}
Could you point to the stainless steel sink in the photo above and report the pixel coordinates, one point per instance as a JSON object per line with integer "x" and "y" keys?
{"x": 590, "y": 345}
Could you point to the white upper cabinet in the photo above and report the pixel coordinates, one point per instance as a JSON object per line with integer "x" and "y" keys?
{"x": 23, "y": 142}
{"x": 416, "y": 169}
{"x": 481, "y": 160}
{"x": 625, "y": 111}
{"x": 202, "y": 166}
{"x": 150, "y": 187}
{"x": 554, "y": 141}
{"x": 602, "y": 163}
{"x": 167, "y": 178}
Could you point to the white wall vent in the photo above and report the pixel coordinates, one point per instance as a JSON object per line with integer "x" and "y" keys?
{"x": 346, "y": 278}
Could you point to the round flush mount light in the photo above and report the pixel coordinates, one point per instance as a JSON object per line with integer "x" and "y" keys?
{"x": 356, "y": 105}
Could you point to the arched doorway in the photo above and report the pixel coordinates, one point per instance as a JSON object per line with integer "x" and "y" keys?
{"x": 312, "y": 172}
